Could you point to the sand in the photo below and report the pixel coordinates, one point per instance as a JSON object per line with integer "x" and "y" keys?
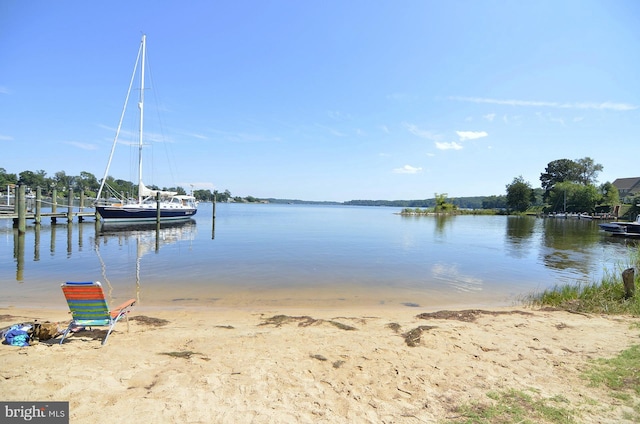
{"x": 287, "y": 365}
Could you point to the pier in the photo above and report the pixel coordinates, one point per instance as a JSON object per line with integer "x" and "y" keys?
{"x": 21, "y": 214}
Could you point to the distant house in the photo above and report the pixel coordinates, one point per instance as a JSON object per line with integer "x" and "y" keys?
{"x": 627, "y": 186}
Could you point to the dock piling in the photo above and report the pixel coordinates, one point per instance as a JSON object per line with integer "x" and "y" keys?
{"x": 70, "y": 205}
{"x": 628, "y": 279}
{"x": 54, "y": 204}
{"x": 22, "y": 209}
{"x": 38, "y": 205}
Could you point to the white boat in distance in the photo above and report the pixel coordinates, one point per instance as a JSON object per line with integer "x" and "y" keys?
{"x": 171, "y": 207}
{"x": 624, "y": 229}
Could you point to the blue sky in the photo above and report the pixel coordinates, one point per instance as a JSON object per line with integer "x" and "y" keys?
{"x": 326, "y": 100}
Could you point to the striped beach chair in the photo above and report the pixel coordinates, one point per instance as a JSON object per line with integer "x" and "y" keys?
{"x": 89, "y": 307}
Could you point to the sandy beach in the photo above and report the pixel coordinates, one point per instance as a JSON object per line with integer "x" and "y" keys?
{"x": 288, "y": 365}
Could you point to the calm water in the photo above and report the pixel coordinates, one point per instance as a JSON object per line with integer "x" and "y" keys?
{"x": 300, "y": 255}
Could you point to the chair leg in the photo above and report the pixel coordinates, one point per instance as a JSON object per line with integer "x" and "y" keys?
{"x": 64, "y": 334}
{"x": 108, "y": 332}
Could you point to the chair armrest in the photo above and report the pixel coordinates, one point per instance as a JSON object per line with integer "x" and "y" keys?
{"x": 122, "y": 308}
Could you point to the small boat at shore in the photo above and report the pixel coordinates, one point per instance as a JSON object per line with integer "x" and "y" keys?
{"x": 622, "y": 228}
{"x": 150, "y": 205}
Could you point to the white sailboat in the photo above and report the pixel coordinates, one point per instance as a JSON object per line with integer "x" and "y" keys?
{"x": 146, "y": 207}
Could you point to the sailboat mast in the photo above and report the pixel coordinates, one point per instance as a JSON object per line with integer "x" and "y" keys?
{"x": 117, "y": 136}
{"x": 141, "y": 107}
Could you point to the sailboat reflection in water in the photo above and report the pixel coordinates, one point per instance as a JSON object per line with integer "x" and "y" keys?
{"x": 148, "y": 238}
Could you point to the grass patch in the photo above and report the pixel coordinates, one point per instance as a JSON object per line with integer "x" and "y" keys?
{"x": 514, "y": 406}
{"x": 606, "y": 296}
{"x": 621, "y": 373}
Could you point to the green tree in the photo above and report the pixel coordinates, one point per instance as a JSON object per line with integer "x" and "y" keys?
{"x": 87, "y": 182}
{"x": 494, "y": 202}
{"x": 610, "y": 194}
{"x": 180, "y": 190}
{"x": 203, "y": 195}
{"x": 539, "y": 197}
{"x": 442, "y": 206}
{"x": 588, "y": 170}
{"x": 520, "y": 195}
{"x": 33, "y": 179}
{"x": 63, "y": 181}
{"x": 585, "y": 198}
{"x": 583, "y": 171}
{"x": 574, "y": 197}
{"x": 558, "y": 171}
{"x": 222, "y": 197}
{"x": 7, "y": 179}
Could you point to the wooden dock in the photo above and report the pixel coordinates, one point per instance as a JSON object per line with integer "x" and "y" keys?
{"x": 54, "y": 216}
{"x": 20, "y": 214}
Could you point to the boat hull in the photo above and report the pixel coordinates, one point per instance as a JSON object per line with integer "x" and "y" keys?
{"x": 624, "y": 229}
{"x": 142, "y": 214}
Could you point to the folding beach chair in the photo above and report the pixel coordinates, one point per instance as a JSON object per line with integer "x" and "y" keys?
{"x": 89, "y": 307}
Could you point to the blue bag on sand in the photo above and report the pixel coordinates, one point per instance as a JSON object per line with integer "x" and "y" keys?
{"x": 16, "y": 336}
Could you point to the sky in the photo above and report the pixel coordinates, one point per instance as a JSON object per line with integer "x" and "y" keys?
{"x": 323, "y": 100}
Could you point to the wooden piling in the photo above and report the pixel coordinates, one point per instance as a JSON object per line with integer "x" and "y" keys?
{"x": 70, "y": 206}
{"x": 54, "y": 204}
{"x": 628, "y": 278}
{"x": 38, "y": 219}
{"x": 213, "y": 219}
{"x": 158, "y": 209}
{"x": 22, "y": 209}
{"x": 80, "y": 217}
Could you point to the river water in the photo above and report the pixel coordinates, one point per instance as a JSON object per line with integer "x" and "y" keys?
{"x": 308, "y": 256}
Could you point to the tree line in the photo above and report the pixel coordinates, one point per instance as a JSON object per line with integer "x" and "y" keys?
{"x": 567, "y": 186}
{"x": 87, "y": 182}
{"x": 469, "y": 202}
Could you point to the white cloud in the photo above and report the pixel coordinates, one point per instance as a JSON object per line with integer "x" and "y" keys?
{"x": 4, "y": 90}
{"x": 448, "y": 146}
{"x": 385, "y": 129}
{"x": 471, "y": 135}
{"x": 407, "y": 169}
{"x": 489, "y": 116}
{"x": 5, "y": 138}
{"x": 566, "y": 105}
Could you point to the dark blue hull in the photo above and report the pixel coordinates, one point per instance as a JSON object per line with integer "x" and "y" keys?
{"x": 134, "y": 214}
